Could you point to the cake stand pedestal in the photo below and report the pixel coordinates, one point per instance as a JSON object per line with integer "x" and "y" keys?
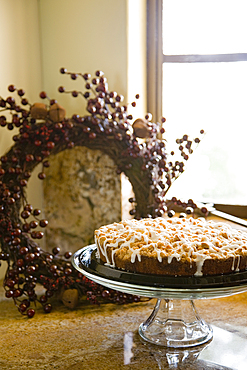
{"x": 174, "y": 322}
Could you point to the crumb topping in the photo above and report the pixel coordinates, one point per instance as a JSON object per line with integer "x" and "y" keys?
{"x": 181, "y": 238}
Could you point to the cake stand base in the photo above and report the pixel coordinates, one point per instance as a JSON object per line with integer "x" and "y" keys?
{"x": 175, "y": 323}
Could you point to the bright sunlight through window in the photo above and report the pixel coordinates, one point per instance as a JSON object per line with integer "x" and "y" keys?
{"x": 207, "y": 95}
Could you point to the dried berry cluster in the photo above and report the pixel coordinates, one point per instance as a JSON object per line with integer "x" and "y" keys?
{"x": 43, "y": 129}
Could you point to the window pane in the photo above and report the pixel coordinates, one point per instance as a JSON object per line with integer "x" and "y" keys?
{"x": 204, "y": 27}
{"x": 211, "y": 96}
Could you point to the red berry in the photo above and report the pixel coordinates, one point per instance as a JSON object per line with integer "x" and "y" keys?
{"x": 36, "y": 212}
{"x": 39, "y": 234}
{"x": 23, "y": 250}
{"x": 20, "y": 262}
{"x": 11, "y": 88}
{"x": 23, "y": 182}
{"x": 21, "y": 92}
{"x": 43, "y": 223}
{"x": 67, "y": 255}
{"x": 24, "y": 101}
{"x": 99, "y": 73}
{"x": 10, "y": 283}
{"x": 9, "y": 293}
{"x": 25, "y": 214}
{"x": 55, "y": 250}
{"x": 50, "y": 145}
{"x": 17, "y": 293}
{"x": 86, "y": 76}
{"x": 33, "y": 224}
{"x": 92, "y": 135}
{"x": 10, "y": 100}
{"x": 30, "y": 313}
{"x": 43, "y": 299}
{"x": 47, "y": 308}
{"x": 41, "y": 176}
{"x": 29, "y": 158}
{"x": 22, "y": 307}
{"x": 43, "y": 95}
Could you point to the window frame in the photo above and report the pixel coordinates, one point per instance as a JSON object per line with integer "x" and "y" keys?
{"x": 155, "y": 61}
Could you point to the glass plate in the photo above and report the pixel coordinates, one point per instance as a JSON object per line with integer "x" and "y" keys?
{"x": 155, "y": 286}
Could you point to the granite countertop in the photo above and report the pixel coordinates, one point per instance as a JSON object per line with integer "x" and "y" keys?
{"x": 106, "y": 337}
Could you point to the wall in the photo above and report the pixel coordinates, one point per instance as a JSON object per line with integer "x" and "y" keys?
{"x": 83, "y": 36}
{"x": 20, "y": 64}
{"x": 137, "y": 55}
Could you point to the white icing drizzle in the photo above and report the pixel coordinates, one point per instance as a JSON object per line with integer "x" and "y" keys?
{"x": 192, "y": 239}
{"x": 237, "y": 268}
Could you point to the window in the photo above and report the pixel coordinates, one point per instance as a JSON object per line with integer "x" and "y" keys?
{"x": 199, "y": 60}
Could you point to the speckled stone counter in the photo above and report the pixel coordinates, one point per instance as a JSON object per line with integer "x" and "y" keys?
{"x": 106, "y": 337}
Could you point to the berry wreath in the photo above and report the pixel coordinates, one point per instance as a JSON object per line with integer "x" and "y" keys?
{"x": 137, "y": 149}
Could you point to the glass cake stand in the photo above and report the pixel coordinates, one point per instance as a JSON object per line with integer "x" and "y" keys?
{"x": 174, "y": 321}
